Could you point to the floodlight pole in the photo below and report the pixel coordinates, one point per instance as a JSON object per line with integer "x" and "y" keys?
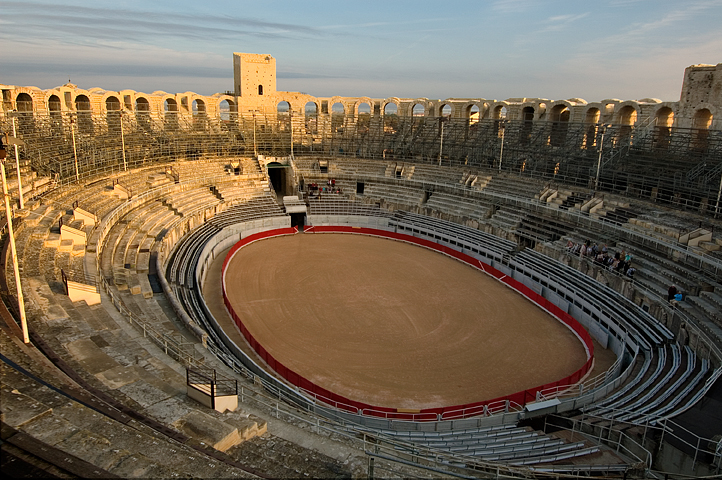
{"x": 13, "y": 251}
{"x": 255, "y": 147}
{"x": 21, "y": 204}
{"x": 122, "y": 143}
{"x": 599, "y": 160}
{"x": 290, "y": 121}
{"x": 719, "y": 194}
{"x": 501, "y": 150}
{"x": 441, "y": 140}
{"x": 75, "y": 150}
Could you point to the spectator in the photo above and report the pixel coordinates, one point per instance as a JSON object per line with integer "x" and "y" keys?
{"x": 671, "y": 292}
{"x": 630, "y": 272}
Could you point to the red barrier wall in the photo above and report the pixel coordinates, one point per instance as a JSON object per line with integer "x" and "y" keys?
{"x": 456, "y": 411}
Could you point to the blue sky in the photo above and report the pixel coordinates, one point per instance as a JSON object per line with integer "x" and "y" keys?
{"x": 497, "y": 49}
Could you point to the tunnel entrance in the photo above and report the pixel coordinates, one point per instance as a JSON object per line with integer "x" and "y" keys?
{"x": 298, "y": 220}
{"x": 280, "y": 177}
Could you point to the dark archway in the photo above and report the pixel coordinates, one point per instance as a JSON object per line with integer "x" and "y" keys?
{"x": 279, "y": 175}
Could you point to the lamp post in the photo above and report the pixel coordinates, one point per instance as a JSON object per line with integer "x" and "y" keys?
{"x": 290, "y": 122}
{"x": 599, "y": 159}
{"x": 13, "y": 251}
{"x": 719, "y": 194}
{"x": 255, "y": 147}
{"x": 17, "y": 168}
{"x": 441, "y": 139}
{"x": 502, "y": 124}
{"x": 122, "y": 143}
{"x": 75, "y": 150}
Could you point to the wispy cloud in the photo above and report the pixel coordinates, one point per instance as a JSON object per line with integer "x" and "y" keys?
{"x": 559, "y": 22}
{"x": 90, "y": 23}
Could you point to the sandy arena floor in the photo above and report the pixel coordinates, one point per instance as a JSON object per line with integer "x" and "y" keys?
{"x": 394, "y": 324}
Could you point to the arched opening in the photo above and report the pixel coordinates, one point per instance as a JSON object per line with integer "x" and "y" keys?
{"x": 418, "y": 110}
{"x": 338, "y": 117}
{"x": 663, "y": 120}
{"x": 200, "y": 119}
{"x": 445, "y": 111}
{"x": 54, "y": 104}
{"x": 311, "y": 112}
{"x": 626, "y": 118}
{"x": 260, "y": 89}
{"x": 391, "y": 118}
{"x": 55, "y": 110}
{"x": 283, "y": 116}
{"x": 170, "y": 109}
{"x": 24, "y": 104}
{"x": 527, "y": 123}
{"x": 473, "y": 114}
{"x": 363, "y": 118}
{"x": 591, "y": 118}
{"x": 142, "y": 113}
{"x": 499, "y": 116}
{"x": 228, "y": 112}
{"x": 112, "y": 114}
{"x": 85, "y": 119}
{"x": 559, "y": 117}
{"x": 701, "y": 123}
{"x": 281, "y": 179}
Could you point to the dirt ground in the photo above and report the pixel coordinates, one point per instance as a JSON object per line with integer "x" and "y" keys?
{"x": 393, "y": 324}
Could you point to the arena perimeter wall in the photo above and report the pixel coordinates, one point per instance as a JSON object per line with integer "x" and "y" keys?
{"x": 432, "y": 414}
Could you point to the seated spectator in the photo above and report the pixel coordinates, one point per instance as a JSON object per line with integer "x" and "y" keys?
{"x": 671, "y": 292}
{"x": 630, "y": 272}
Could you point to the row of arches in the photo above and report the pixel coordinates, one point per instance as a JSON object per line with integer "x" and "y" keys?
{"x": 625, "y": 115}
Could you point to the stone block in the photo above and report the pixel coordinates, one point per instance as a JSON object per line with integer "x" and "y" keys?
{"x": 208, "y": 430}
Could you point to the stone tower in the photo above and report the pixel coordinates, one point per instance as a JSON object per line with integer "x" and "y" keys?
{"x": 254, "y": 75}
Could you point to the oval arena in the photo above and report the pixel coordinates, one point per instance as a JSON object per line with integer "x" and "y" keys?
{"x": 126, "y": 206}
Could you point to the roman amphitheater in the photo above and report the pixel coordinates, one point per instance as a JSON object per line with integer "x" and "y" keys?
{"x": 269, "y": 284}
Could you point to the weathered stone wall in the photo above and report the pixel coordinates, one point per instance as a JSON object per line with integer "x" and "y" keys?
{"x": 701, "y": 91}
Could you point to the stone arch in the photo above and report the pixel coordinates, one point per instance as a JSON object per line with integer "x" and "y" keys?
{"x": 627, "y": 114}
{"x": 626, "y": 117}
{"x": 310, "y": 110}
{"x": 199, "y": 114}
{"x": 112, "y": 113}
{"x": 500, "y": 111}
{"x": 283, "y": 115}
{"x": 112, "y": 104}
{"x": 198, "y": 107}
{"x": 702, "y": 119}
{"x": 592, "y": 117}
{"x": 24, "y": 103}
{"x": 701, "y": 122}
{"x": 24, "y": 106}
{"x": 228, "y": 111}
{"x": 559, "y": 116}
{"x": 391, "y": 115}
{"x": 528, "y": 113}
{"x": 363, "y": 111}
{"x": 472, "y": 113}
{"x": 170, "y": 109}
{"x": 664, "y": 117}
{"x": 446, "y": 110}
{"x": 142, "y": 112}
{"x": 54, "y": 104}
{"x": 338, "y": 117}
{"x": 418, "y": 110}
{"x": 84, "y": 113}
{"x": 663, "y": 120}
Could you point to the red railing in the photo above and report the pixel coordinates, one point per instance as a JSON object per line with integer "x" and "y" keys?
{"x": 486, "y": 407}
